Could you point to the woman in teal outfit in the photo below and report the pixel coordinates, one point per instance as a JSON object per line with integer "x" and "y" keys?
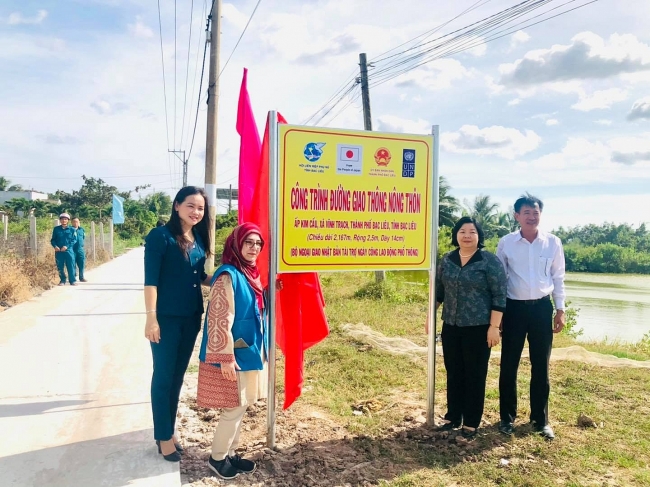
{"x": 174, "y": 261}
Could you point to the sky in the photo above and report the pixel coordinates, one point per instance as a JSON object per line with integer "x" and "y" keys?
{"x": 560, "y": 109}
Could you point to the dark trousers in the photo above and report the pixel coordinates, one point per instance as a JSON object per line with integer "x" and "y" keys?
{"x": 466, "y": 355}
{"x": 170, "y": 359}
{"x": 80, "y": 262}
{"x": 65, "y": 261}
{"x": 536, "y": 322}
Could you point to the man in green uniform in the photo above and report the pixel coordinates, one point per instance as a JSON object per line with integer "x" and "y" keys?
{"x": 63, "y": 240}
{"x": 79, "y": 252}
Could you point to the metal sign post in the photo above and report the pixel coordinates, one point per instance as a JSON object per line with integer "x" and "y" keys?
{"x": 273, "y": 272}
{"x": 431, "y": 338}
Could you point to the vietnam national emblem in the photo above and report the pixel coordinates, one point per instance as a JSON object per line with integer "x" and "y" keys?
{"x": 382, "y": 156}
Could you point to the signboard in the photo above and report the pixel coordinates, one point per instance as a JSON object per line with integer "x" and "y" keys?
{"x": 354, "y": 200}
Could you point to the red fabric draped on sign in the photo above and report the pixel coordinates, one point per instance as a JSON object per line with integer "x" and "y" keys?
{"x": 300, "y": 315}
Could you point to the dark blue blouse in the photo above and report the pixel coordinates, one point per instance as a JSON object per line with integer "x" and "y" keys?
{"x": 178, "y": 277}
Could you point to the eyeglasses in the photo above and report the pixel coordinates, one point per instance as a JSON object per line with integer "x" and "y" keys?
{"x": 253, "y": 243}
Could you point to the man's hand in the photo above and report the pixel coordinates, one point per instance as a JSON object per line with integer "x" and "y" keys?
{"x": 64, "y": 248}
{"x": 57, "y": 249}
{"x": 559, "y": 321}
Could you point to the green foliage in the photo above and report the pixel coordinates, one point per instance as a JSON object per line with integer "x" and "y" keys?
{"x": 571, "y": 327}
{"x": 158, "y": 203}
{"x": 228, "y": 220}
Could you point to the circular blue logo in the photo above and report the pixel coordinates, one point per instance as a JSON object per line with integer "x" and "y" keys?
{"x": 409, "y": 156}
{"x": 313, "y": 151}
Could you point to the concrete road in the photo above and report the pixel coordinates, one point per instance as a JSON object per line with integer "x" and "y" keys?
{"x": 75, "y": 371}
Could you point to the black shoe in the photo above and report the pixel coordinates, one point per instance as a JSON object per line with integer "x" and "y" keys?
{"x": 223, "y": 468}
{"x": 178, "y": 446}
{"x": 451, "y": 425}
{"x": 62, "y": 283}
{"x": 242, "y": 465}
{"x": 469, "y": 434}
{"x": 546, "y": 431}
{"x": 83, "y": 280}
{"x": 507, "y": 428}
{"x": 172, "y": 457}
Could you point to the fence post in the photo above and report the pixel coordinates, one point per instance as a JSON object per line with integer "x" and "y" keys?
{"x": 56, "y": 222}
{"x": 92, "y": 238}
{"x": 5, "y": 221}
{"x": 110, "y": 236}
{"x": 33, "y": 237}
{"x": 101, "y": 234}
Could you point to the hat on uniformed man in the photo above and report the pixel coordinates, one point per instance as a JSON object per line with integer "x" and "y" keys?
{"x": 64, "y": 215}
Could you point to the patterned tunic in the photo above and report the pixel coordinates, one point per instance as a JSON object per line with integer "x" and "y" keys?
{"x": 214, "y": 391}
{"x": 471, "y": 291}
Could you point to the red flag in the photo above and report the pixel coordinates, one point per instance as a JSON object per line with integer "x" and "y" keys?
{"x": 300, "y": 315}
{"x": 249, "y": 152}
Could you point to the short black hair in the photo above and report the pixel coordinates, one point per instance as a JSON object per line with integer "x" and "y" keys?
{"x": 528, "y": 199}
{"x": 463, "y": 221}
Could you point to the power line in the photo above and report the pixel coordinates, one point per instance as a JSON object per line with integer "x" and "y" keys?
{"x": 198, "y": 102}
{"x": 175, "y": 72}
{"x": 240, "y": 37}
{"x": 473, "y": 41}
{"x": 79, "y": 177}
{"x": 162, "y": 59}
{"x": 187, "y": 70}
{"x": 196, "y": 68}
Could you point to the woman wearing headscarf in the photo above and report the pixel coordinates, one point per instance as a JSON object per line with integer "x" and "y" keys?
{"x": 232, "y": 369}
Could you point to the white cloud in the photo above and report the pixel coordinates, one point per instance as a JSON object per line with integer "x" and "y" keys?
{"x": 139, "y": 29}
{"x": 480, "y": 47}
{"x": 600, "y": 100}
{"x": 496, "y": 140}
{"x": 589, "y": 56}
{"x": 514, "y": 102}
{"x": 104, "y": 107}
{"x": 233, "y": 15}
{"x": 439, "y": 74}
{"x": 551, "y": 121}
{"x": 18, "y": 18}
{"x": 603, "y": 121}
{"x": 392, "y": 123}
{"x": 640, "y": 109}
{"x": 519, "y": 37}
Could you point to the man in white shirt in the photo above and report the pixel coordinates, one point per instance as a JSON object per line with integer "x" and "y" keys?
{"x": 534, "y": 264}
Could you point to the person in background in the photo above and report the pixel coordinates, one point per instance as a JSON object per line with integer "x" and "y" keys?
{"x": 233, "y": 354}
{"x": 534, "y": 264}
{"x": 79, "y": 251}
{"x": 174, "y": 260}
{"x": 471, "y": 283}
{"x": 63, "y": 240}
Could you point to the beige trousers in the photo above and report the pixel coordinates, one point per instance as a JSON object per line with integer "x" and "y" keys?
{"x": 226, "y": 436}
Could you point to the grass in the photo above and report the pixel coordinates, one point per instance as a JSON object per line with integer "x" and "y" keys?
{"x": 341, "y": 373}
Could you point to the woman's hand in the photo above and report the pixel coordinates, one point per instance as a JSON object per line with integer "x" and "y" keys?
{"x": 152, "y": 329}
{"x": 493, "y": 336}
{"x": 229, "y": 371}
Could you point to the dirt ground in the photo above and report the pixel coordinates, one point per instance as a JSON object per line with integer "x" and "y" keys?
{"x": 312, "y": 449}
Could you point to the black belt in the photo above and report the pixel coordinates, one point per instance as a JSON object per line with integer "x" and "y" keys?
{"x": 530, "y": 302}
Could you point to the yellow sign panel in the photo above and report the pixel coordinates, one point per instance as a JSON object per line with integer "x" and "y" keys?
{"x": 354, "y": 200}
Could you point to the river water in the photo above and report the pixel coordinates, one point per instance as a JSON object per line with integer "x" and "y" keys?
{"x": 611, "y": 306}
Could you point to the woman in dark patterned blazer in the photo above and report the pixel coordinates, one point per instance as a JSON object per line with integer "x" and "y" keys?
{"x": 471, "y": 282}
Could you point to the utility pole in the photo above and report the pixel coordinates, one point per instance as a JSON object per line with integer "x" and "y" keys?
{"x": 213, "y": 104}
{"x": 230, "y": 199}
{"x": 367, "y": 119}
{"x": 184, "y": 161}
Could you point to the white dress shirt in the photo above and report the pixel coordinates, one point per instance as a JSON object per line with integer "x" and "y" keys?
{"x": 535, "y": 269}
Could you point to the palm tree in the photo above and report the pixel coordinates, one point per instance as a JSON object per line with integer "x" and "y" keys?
{"x": 4, "y": 183}
{"x": 486, "y": 212}
{"x": 449, "y": 206}
{"x": 507, "y": 222}
{"x": 16, "y": 187}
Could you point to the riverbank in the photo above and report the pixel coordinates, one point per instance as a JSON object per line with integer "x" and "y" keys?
{"x": 360, "y": 419}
